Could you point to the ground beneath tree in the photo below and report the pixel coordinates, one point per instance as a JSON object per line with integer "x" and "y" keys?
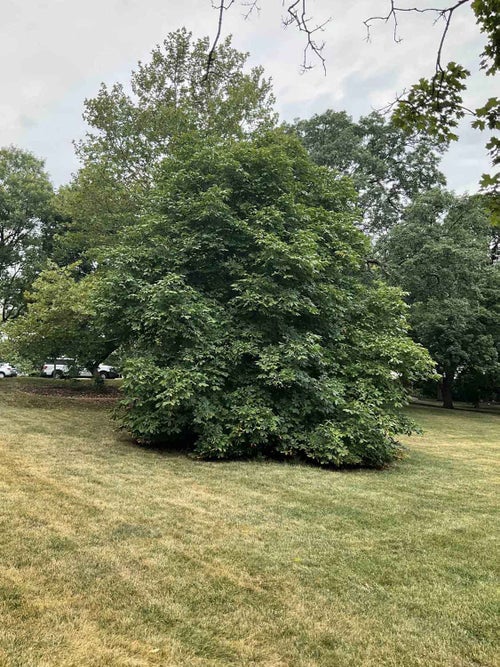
{"x": 81, "y": 389}
{"x": 116, "y": 555}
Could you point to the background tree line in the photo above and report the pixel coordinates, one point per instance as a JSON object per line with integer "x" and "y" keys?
{"x": 250, "y": 275}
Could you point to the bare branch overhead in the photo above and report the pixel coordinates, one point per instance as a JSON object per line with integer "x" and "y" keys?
{"x": 444, "y": 14}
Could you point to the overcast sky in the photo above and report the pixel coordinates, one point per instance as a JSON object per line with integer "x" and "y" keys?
{"x": 55, "y": 53}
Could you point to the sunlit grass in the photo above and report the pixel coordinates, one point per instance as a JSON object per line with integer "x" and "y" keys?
{"x": 115, "y": 555}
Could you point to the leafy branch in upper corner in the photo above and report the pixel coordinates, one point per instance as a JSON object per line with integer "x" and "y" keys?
{"x": 434, "y": 105}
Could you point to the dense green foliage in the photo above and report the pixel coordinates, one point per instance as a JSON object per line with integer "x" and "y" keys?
{"x": 254, "y": 324}
{"x": 61, "y": 320}
{"x": 389, "y": 168}
{"x": 441, "y": 255}
{"x": 131, "y": 132}
{"x": 26, "y": 225}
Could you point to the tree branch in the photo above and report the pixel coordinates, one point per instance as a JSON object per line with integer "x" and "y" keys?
{"x": 297, "y": 15}
{"x": 445, "y": 14}
{"x": 211, "y": 54}
{"x": 253, "y": 6}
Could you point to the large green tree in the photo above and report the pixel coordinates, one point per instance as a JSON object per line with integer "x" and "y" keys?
{"x": 132, "y": 130}
{"x": 389, "y": 168}
{"x": 250, "y": 318}
{"x": 441, "y": 256}
{"x": 26, "y": 225}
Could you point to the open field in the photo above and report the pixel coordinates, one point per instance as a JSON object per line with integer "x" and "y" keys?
{"x": 113, "y": 555}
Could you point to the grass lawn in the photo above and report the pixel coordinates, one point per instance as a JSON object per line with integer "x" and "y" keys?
{"x": 116, "y": 555}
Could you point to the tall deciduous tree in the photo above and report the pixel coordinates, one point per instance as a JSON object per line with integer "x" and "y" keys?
{"x": 26, "y": 225}
{"x": 254, "y": 324}
{"x": 441, "y": 256}
{"x": 389, "y": 168}
{"x": 132, "y": 128}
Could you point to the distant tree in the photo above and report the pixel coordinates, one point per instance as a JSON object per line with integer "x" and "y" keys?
{"x": 62, "y": 319}
{"x": 94, "y": 208}
{"x": 131, "y": 132}
{"x": 441, "y": 256}
{"x": 388, "y": 167}
{"x": 254, "y": 324}
{"x": 26, "y": 225}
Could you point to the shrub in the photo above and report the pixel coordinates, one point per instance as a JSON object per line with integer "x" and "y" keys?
{"x": 254, "y": 324}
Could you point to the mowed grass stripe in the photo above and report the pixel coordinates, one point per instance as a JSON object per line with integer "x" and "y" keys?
{"x": 111, "y": 554}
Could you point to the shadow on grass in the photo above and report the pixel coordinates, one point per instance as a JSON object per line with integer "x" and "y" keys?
{"x": 484, "y": 408}
{"x": 184, "y": 446}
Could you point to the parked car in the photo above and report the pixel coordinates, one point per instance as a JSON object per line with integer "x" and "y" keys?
{"x": 63, "y": 368}
{"x": 7, "y": 371}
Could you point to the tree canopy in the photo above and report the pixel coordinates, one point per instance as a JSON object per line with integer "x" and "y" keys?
{"x": 441, "y": 256}
{"x": 26, "y": 225}
{"x": 254, "y": 324}
{"x": 133, "y": 127}
{"x": 389, "y": 168}
{"x": 62, "y": 319}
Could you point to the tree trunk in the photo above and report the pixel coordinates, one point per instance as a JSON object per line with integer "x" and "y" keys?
{"x": 98, "y": 379}
{"x": 439, "y": 392}
{"x": 446, "y": 390}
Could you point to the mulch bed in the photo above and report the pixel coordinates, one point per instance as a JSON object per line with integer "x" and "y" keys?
{"x": 104, "y": 395}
